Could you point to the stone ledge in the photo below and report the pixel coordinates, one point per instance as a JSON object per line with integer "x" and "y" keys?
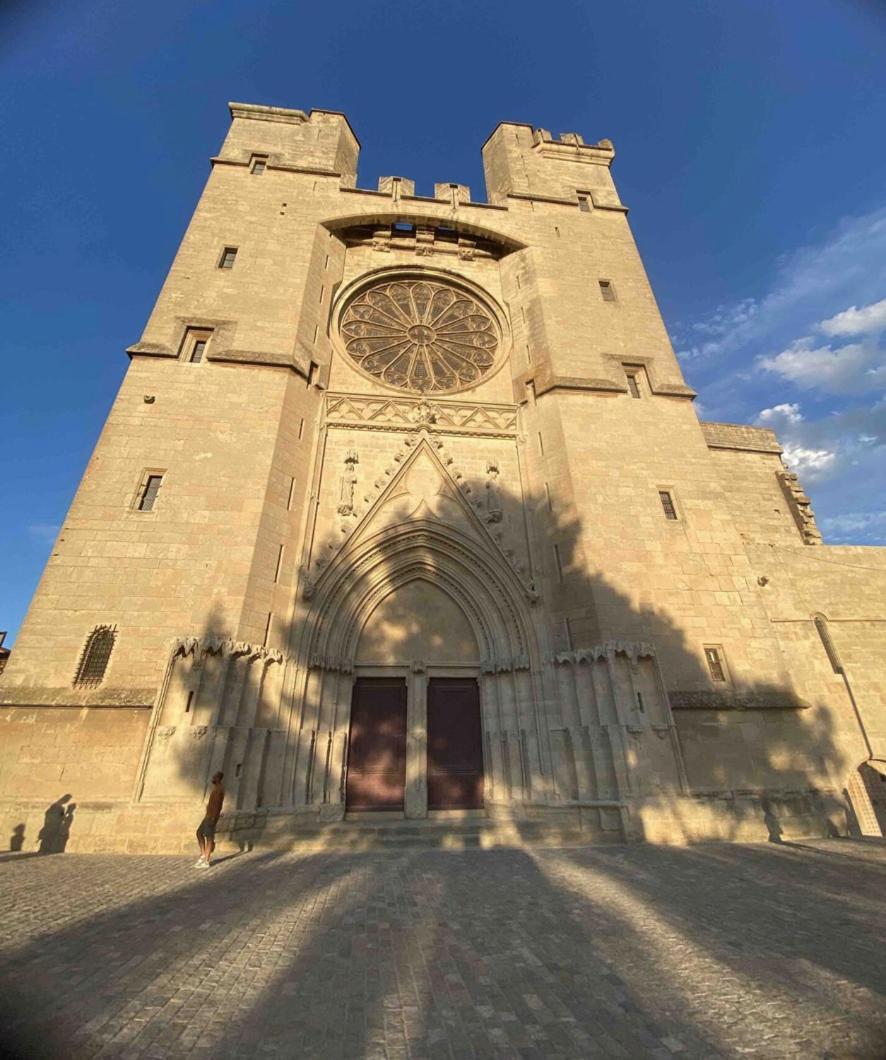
{"x": 77, "y": 697}
{"x": 259, "y": 112}
{"x": 736, "y": 700}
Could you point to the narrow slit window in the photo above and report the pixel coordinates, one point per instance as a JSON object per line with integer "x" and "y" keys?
{"x": 821, "y": 626}
{"x": 258, "y": 165}
{"x": 190, "y": 702}
{"x": 548, "y": 497}
{"x": 667, "y": 503}
{"x": 640, "y": 705}
{"x": 567, "y": 630}
{"x": 291, "y": 496}
{"x": 607, "y": 290}
{"x": 541, "y": 444}
{"x": 558, "y": 562}
{"x": 301, "y": 428}
{"x": 633, "y": 384}
{"x": 95, "y": 656}
{"x": 279, "y": 565}
{"x": 267, "y": 635}
{"x": 229, "y": 255}
{"x": 715, "y": 664}
{"x": 149, "y": 492}
{"x": 583, "y": 204}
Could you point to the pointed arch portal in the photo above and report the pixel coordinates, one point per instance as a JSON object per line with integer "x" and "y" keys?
{"x": 419, "y": 651}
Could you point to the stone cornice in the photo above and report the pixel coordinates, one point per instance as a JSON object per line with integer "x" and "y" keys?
{"x": 76, "y": 697}
{"x": 737, "y": 699}
{"x": 266, "y": 358}
{"x": 258, "y": 112}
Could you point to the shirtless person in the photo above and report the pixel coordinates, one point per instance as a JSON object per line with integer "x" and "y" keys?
{"x": 206, "y": 831}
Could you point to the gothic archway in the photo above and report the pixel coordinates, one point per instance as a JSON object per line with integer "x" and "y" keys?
{"x": 480, "y": 584}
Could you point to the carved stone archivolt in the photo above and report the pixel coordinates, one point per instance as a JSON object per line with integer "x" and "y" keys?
{"x": 421, "y": 335}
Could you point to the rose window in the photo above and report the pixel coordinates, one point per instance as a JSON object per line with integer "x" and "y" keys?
{"x": 420, "y": 335}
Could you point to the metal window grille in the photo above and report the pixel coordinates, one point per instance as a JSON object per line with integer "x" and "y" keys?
{"x": 715, "y": 664}
{"x": 607, "y": 290}
{"x": 197, "y": 351}
{"x": 149, "y": 493}
{"x": 227, "y": 258}
{"x": 824, "y": 634}
{"x": 633, "y": 385}
{"x": 96, "y": 653}
{"x": 667, "y": 503}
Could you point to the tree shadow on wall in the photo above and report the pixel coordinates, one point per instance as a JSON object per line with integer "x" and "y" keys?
{"x": 740, "y": 738}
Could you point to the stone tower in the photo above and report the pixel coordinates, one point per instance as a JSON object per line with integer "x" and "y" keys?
{"x": 403, "y": 505}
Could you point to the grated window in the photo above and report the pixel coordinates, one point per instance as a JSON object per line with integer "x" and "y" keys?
{"x": 149, "y": 493}
{"x": 667, "y": 503}
{"x": 228, "y": 257}
{"x": 95, "y": 656}
{"x": 633, "y": 384}
{"x": 715, "y": 664}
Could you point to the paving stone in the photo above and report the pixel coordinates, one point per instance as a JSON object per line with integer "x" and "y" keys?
{"x": 712, "y": 951}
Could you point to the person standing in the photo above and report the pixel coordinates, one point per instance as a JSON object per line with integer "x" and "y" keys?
{"x": 206, "y": 831}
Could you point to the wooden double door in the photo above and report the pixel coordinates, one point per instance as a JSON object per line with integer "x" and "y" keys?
{"x": 377, "y": 748}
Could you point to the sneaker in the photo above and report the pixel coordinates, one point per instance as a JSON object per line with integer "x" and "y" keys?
{"x": 204, "y": 864}
{"x": 199, "y": 862}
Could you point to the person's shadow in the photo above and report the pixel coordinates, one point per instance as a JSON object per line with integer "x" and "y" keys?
{"x": 56, "y": 828}
{"x": 17, "y": 839}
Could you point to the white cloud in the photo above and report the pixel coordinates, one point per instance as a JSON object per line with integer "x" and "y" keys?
{"x": 807, "y": 459}
{"x": 855, "y": 321}
{"x": 779, "y": 416}
{"x": 844, "y": 269}
{"x": 809, "y": 462}
{"x": 855, "y": 368}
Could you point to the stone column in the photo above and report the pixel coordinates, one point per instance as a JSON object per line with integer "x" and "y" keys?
{"x": 416, "y": 800}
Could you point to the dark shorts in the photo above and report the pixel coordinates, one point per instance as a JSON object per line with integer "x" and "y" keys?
{"x": 206, "y": 829}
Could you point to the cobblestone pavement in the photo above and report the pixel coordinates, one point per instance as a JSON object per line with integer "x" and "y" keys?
{"x": 715, "y": 950}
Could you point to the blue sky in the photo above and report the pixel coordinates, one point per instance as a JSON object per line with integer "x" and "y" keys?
{"x": 750, "y": 147}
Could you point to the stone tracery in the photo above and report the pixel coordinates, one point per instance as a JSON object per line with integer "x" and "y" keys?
{"x": 420, "y": 335}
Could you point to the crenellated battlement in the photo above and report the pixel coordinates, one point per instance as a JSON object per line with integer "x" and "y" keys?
{"x": 519, "y": 160}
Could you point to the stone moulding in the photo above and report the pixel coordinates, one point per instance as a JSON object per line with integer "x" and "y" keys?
{"x": 94, "y": 698}
{"x": 404, "y": 414}
{"x": 715, "y": 700}
{"x": 634, "y": 650}
{"x": 202, "y": 646}
{"x": 264, "y": 358}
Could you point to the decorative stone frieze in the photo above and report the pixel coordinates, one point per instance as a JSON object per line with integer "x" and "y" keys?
{"x": 405, "y": 414}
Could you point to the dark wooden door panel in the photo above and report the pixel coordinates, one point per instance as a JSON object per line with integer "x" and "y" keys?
{"x": 377, "y": 745}
{"x": 455, "y": 747}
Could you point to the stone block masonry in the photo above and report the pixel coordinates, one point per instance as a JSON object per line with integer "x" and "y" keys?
{"x": 373, "y": 436}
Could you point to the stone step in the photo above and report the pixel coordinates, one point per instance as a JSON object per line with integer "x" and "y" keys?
{"x": 399, "y": 834}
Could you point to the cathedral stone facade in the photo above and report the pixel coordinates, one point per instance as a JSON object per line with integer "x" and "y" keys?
{"x": 404, "y": 507}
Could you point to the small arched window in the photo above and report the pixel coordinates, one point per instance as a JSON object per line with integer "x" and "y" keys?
{"x": 821, "y": 626}
{"x": 95, "y": 655}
